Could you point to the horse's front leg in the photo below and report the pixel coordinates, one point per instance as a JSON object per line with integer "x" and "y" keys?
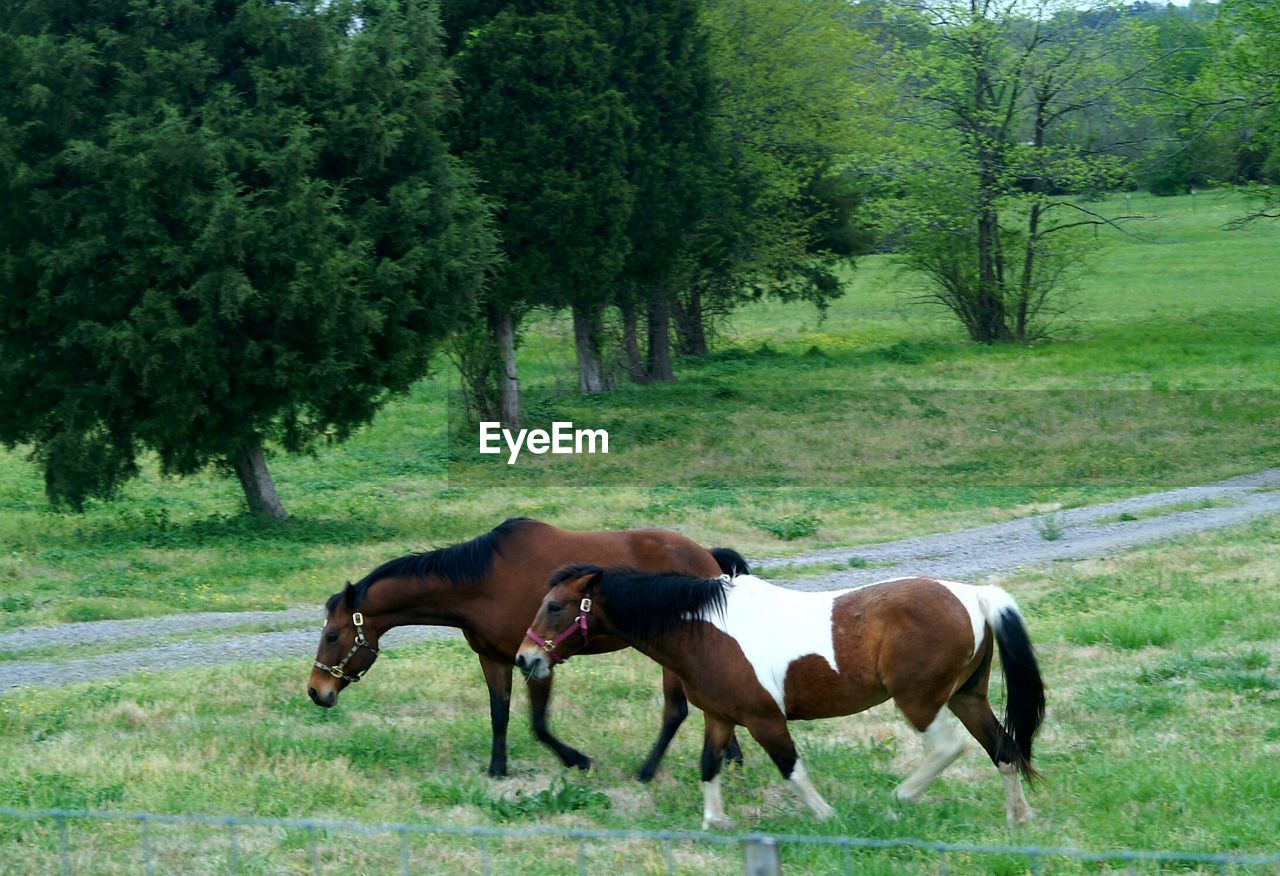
{"x": 497, "y": 676}
{"x": 539, "y": 696}
{"x": 718, "y": 733}
{"x": 675, "y": 708}
{"x": 775, "y": 738}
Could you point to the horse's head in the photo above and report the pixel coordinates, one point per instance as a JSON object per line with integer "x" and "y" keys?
{"x": 562, "y": 626}
{"x": 348, "y": 647}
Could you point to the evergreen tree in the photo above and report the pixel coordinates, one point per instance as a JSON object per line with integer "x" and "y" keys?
{"x": 226, "y": 222}
{"x": 662, "y": 66}
{"x": 546, "y": 132}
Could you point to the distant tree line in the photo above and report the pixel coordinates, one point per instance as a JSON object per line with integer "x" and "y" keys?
{"x": 229, "y": 224}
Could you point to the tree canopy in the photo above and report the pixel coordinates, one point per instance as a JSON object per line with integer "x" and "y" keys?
{"x": 224, "y": 223}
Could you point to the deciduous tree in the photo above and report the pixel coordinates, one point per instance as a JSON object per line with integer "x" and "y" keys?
{"x": 993, "y": 175}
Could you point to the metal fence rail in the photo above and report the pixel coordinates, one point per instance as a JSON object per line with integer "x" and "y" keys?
{"x": 759, "y": 852}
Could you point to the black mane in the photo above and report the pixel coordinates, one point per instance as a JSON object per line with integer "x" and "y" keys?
{"x": 464, "y": 563}
{"x": 646, "y": 605}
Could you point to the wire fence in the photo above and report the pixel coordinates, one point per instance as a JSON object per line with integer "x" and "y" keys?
{"x": 66, "y": 841}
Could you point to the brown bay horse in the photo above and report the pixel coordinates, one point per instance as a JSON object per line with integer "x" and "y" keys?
{"x": 488, "y": 588}
{"x": 756, "y": 655}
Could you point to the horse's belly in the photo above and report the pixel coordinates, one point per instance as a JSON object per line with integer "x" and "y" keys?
{"x": 813, "y": 689}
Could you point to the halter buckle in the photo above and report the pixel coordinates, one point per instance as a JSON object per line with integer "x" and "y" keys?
{"x": 585, "y": 605}
{"x": 335, "y": 671}
{"x": 357, "y": 618}
{"x": 548, "y": 645}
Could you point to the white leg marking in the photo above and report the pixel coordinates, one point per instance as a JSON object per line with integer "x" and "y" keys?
{"x": 713, "y": 806}
{"x": 943, "y": 743}
{"x": 805, "y": 790}
{"x": 1015, "y": 805}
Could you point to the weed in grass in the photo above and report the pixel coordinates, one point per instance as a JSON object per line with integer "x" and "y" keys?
{"x": 15, "y": 602}
{"x": 1240, "y": 673}
{"x": 1180, "y": 667}
{"x": 1241, "y": 681}
{"x": 451, "y": 792}
{"x": 790, "y": 527}
{"x": 1050, "y": 527}
{"x": 562, "y": 796}
{"x": 856, "y": 562}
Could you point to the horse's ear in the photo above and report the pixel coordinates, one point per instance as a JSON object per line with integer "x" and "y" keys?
{"x": 349, "y": 596}
{"x": 590, "y": 579}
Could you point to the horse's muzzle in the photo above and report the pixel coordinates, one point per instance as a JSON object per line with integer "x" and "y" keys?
{"x": 325, "y": 701}
{"x": 532, "y": 663}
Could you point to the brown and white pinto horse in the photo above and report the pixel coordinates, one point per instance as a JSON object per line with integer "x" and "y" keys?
{"x": 757, "y": 655}
{"x": 489, "y": 587}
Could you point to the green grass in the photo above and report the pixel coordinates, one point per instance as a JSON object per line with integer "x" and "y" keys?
{"x": 1165, "y": 510}
{"x": 875, "y": 421}
{"x": 1170, "y": 744}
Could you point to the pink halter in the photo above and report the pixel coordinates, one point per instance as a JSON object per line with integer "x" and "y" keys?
{"x": 579, "y": 624}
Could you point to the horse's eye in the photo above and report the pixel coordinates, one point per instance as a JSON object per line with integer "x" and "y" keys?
{"x": 331, "y": 638}
{"x": 554, "y": 607}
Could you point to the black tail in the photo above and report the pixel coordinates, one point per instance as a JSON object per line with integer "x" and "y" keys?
{"x": 731, "y": 562}
{"x": 1024, "y": 688}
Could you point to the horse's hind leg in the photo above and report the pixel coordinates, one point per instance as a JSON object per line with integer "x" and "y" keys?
{"x": 943, "y": 743}
{"x": 539, "y": 695}
{"x": 974, "y": 711}
{"x": 675, "y": 709}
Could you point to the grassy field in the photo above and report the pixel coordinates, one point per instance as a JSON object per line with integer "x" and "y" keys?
{"x": 875, "y": 421}
{"x": 1163, "y": 729}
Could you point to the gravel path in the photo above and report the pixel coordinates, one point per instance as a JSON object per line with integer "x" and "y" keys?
{"x": 160, "y": 643}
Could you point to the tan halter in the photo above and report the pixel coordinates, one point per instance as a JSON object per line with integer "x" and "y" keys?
{"x": 338, "y": 671}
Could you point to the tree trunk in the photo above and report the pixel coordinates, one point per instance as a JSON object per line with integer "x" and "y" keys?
{"x": 631, "y": 342}
{"x": 1027, "y": 285}
{"x": 690, "y": 326}
{"x": 259, "y": 490}
{"x": 660, "y": 369}
{"x": 586, "y": 338}
{"x": 504, "y": 333}
{"x": 990, "y": 307}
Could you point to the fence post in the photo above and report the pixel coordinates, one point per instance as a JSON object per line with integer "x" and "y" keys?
{"x": 760, "y": 856}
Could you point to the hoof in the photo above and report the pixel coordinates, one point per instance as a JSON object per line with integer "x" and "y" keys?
{"x": 582, "y": 763}
{"x": 1017, "y": 819}
{"x": 824, "y": 813}
{"x": 905, "y": 795}
{"x": 646, "y": 774}
{"x": 721, "y": 823}
{"x": 496, "y": 771}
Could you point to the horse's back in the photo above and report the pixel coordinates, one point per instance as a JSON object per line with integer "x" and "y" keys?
{"x": 650, "y": 550}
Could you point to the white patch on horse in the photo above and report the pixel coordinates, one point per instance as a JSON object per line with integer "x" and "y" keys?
{"x": 775, "y": 627}
{"x": 943, "y": 743}
{"x": 1015, "y": 804}
{"x": 808, "y": 794}
{"x": 713, "y": 806}
{"x": 968, "y": 596}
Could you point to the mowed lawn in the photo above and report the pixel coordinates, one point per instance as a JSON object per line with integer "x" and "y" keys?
{"x": 1163, "y": 730}
{"x": 874, "y": 421}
